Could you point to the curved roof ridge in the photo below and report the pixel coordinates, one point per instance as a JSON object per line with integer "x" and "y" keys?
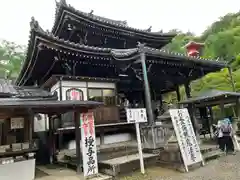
{"x": 153, "y": 51}
{"x": 35, "y": 27}
{"x": 179, "y": 55}
{"x": 37, "y": 31}
{"x": 64, "y": 3}
{"x": 117, "y": 23}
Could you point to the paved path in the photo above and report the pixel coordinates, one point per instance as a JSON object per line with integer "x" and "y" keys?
{"x": 224, "y": 168}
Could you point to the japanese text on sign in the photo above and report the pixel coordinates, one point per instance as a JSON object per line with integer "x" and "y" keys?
{"x": 17, "y": 123}
{"x": 186, "y": 136}
{"x": 136, "y": 115}
{"x": 89, "y": 150}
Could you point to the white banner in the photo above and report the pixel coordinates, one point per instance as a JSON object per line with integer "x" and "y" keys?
{"x": 136, "y": 115}
{"x": 89, "y": 148}
{"x": 186, "y": 137}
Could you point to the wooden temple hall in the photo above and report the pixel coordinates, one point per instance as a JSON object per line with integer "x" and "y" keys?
{"x": 90, "y": 58}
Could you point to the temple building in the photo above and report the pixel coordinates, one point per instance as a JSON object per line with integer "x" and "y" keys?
{"x": 88, "y": 57}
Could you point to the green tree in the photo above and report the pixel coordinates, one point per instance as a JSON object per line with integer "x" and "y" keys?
{"x": 11, "y": 59}
{"x": 222, "y": 42}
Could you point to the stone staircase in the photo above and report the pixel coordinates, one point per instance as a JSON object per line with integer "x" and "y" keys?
{"x": 122, "y": 158}
{"x": 105, "y": 152}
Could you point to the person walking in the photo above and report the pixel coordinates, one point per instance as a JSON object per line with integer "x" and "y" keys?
{"x": 227, "y": 132}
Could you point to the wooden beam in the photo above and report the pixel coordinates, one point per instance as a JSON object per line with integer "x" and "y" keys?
{"x": 77, "y": 139}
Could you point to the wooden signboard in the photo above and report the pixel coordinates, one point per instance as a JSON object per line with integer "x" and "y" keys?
{"x": 89, "y": 148}
{"x": 186, "y": 137}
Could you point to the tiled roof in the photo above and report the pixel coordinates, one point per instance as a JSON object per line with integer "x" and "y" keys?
{"x": 113, "y": 23}
{"x": 210, "y": 96}
{"x": 8, "y": 90}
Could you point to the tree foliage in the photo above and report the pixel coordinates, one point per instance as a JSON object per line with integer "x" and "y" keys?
{"x": 11, "y": 59}
{"x": 222, "y": 42}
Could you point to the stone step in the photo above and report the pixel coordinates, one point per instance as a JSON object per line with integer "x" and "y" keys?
{"x": 213, "y": 155}
{"x": 171, "y": 158}
{"x": 108, "y": 153}
{"x": 125, "y": 164}
{"x": 100, "y": 177}
{"x": 116, "y": 154}
{"x": 204, "y": 148}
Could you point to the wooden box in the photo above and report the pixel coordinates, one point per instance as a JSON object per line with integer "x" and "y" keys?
{"x": 4, "y": 148}
{"x": 25, "y": 145}
{"x": 11, "y": 139}
{"x": 17, "y": 147}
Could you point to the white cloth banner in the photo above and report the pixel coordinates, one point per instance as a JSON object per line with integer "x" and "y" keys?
{"x": 186, "y": 137}
{"x": 89, "y": 147}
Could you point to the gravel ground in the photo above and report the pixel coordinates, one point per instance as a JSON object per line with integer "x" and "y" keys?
{"x": 224, "y": 168}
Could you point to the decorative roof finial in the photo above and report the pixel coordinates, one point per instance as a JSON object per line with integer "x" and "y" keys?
{"x": 125, "y": 22}
{"x": 63, "y": 2}
{"x": 140, "y": 45}
{"x": 33, "y": 23}
{"x": 91, "y": 12}
{"x": 149, "y": 29}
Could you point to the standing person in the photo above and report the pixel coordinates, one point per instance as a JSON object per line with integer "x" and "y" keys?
{"x": 227, "y": 131}
{"x": 218, "y": 133}
{"x": 126, "y": 102}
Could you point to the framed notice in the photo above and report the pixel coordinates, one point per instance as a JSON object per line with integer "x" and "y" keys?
{"x": 17, "y": 123}
{"x": 89, "y": 148}
{"x": 186, "y": 137}
{"x": 138, "y": 115}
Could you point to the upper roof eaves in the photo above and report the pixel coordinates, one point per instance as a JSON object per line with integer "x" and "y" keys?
{"x": 62, "y": 5}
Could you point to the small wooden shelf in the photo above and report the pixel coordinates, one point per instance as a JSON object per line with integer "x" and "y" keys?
{"x": 17, "y": 153}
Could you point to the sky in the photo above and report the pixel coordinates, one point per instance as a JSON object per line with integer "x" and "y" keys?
{"x": 185, "y": 15}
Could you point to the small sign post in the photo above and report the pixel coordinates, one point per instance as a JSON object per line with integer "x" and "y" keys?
{"x": 186, "y": 137}
{"x": 89, "y": 149}
{"x": 138, "y": 115}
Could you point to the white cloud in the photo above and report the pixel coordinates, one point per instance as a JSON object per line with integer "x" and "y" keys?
{"x": 185, "y": 15}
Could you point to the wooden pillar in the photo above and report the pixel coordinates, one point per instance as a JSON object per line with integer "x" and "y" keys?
{"x": 211, "y": 120}
{"x": 222, "y": 109}
{"x": 60, "y": 135}
{"x": 101, "y": 136}
{"x": 187, "y": 90}
{"x": 78, "y": 138}
{"x": 178, "y": 94}
{"x": 235, "y": 126}
{"x": 51, "y": 140}
{"x": 6, "y": 128}
{"x": 30, "y": 125}
{"x": 26, "y": 128}
{"x": 192, "y": 109}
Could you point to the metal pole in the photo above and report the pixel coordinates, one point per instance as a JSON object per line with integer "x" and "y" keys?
{"x": 148, "y": 99}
